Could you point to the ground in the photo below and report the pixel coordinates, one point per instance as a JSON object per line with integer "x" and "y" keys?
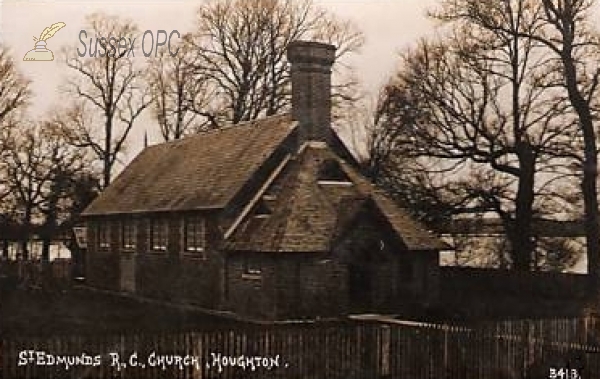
{"x": 81, "y": 311}
{"x": 77, "y": 310}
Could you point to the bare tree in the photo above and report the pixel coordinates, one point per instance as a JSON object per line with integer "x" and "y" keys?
{"x": 241, "y": 48}
{"x": 14, "y": 88}
{"x": 111, "y": 89}
{"x": 577, "y": 49}
{"x": 519, "y": 61}
{"x": 37, "y": 158}
{"x": 72, "y": 185}
{"x": 564, "y": 30}
{"x": 14, "y": 95}
{"x": 473, "y": 101}
{"x": 181, "y": 97}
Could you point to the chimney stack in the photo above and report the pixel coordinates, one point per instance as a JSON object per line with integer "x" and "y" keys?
{"x": 311, "y": 88}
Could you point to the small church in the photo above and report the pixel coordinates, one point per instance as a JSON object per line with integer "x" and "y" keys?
{"x": 268, "y": 219}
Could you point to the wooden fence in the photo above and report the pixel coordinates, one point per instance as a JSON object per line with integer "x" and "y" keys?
{"x": 36, "y": 274}
{"x": 403, "y": 350}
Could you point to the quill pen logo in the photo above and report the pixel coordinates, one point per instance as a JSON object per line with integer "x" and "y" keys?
{"x": 40, "y": 52}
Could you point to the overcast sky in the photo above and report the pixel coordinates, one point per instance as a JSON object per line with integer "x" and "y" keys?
{"x": 388, "y": 25}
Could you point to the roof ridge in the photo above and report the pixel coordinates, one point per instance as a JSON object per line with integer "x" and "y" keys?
{"x": 229, "y": 126}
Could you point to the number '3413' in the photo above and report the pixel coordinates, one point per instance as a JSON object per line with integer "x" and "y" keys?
{"x": 564, "y": 373}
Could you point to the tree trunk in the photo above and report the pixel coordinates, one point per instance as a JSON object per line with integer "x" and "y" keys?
{"x": 46, "y": 249}
{"x": 25, "y": 248}
{"x": 590, "y": 170}
{"x": 26, "y": 233}
{"x": 5, "y": 249}
{"x": 522, "y": 246}
{"x": 107, "y": 158}
{"x": 592, "y": 230}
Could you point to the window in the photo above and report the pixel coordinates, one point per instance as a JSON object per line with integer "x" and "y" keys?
{"x": 103, "y": 235}
{"x": 330, "y": 172}
{"x": 158, "y": 234}
{"x": 128, "y": 235}
{"x": 252, "y": 268}
{"x": 194, "y": 234}
{"x": 81, "y": 236}
{"x": 262, "y": 210}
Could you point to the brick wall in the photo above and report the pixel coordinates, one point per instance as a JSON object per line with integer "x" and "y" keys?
{"x": 180, "y": 276}
{"x": 397, "y": 276}
{"x": 102, "y": 266}
{"x": 292, "y": 285}
{"x": 310, "y": 285}
{"x": 481, "y": 294}
{"x": 172, "y": 275}
{"x": 478, "y": 282}
{"x": 247, "y": 294}
{"x": 311, "y": 88}
{"x": 432, "y": 277}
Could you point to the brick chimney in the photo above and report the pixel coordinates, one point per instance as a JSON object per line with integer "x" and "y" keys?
{"x": 311, "y": 88}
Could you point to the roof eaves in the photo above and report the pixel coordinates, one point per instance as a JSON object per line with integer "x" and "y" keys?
{"x": 257, "y": 197}
{"x": 157, "y": 210}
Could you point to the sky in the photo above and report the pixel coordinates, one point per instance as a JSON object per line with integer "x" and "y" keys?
{"x": 389, "y": 26}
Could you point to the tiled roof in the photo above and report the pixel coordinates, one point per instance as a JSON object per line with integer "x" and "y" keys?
{"x": 308, "y": 216}
{"x": 197, "y": 172}
{"x": 206, "y": 171}
{"x": 413, "y": 233}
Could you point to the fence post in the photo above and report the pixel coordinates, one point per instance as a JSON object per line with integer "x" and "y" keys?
{"x": 385, "y": 350}
{"x": 528, "y": 346}
{"x": 445, "y": 350}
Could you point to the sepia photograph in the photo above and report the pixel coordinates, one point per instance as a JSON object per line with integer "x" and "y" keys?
{"x": 299, "y": 189}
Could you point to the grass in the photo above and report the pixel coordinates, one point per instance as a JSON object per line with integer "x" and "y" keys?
{"x": 80, "y": 311}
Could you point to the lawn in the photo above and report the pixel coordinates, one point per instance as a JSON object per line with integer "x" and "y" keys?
{"x": 81, "y": 311}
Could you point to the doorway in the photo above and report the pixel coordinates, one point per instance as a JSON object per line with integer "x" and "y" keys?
{"x": 127, "y": 277}
{"x": 360, "y": 286}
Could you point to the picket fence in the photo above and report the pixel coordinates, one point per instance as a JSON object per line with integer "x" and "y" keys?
{"x": 346, "y": 350}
